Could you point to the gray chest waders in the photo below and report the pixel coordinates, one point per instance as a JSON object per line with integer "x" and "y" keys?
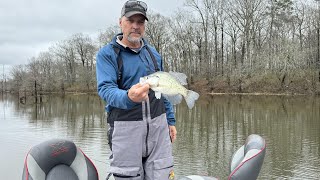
{"x": 141, "y": 146}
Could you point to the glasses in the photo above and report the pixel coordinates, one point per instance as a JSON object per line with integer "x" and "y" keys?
{"x": 136, "y": 4}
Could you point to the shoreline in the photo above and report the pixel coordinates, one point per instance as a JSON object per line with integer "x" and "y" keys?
{"x": 260, "y": 94}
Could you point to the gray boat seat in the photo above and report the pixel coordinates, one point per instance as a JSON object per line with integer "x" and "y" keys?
{"x": 58, "y": 159}
{"x": 246, "y": 162}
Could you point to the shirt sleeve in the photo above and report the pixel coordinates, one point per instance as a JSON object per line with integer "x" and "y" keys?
{"x": 106, "y": 73}
{"x": 170, "y": 113}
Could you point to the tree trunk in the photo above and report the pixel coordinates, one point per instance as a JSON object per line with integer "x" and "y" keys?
{"x": 222, "y": 51}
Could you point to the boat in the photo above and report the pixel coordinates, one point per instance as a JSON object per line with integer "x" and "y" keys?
{"x": 58, "y": 159}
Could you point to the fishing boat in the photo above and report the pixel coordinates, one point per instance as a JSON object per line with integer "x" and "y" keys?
{"x": 58, "y": 159}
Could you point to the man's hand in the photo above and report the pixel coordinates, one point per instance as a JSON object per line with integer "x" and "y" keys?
{"x": 173, "y": 133}
{"x": 138, "y": 93}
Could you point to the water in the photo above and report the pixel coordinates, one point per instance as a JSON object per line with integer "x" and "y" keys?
{"x": 207, "y": 135}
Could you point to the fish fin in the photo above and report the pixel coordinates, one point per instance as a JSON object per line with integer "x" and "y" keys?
{"x": 173, "y": 99}
{"x": 191, "y": 98}
{"x": 180, "y": 77}
{"x": 157, "y": 94}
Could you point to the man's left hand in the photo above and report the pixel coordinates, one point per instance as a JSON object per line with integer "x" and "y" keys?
{"x": 173, "y": 133}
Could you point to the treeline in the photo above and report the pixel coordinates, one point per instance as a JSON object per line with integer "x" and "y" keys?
{"x": 66, "y": 66}
{"x": 222, "y": 45}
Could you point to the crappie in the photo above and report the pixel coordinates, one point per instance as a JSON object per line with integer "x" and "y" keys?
{"x": 170, "y": 85}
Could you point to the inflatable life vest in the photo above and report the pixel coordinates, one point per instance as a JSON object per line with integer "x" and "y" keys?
{"x": 58, "y": 159}
{"x": 246, "y": 162}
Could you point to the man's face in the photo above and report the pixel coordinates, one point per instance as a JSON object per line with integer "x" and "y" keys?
{"x": 133, "y": 28}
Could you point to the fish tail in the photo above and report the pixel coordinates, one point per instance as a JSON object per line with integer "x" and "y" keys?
{"x": 191, "y": 98}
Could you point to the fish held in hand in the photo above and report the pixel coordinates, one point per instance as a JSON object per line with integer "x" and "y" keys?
{"x": 171, "y": 86}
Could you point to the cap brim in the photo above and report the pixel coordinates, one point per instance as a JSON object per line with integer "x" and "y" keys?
{"x": 131, "y": 13}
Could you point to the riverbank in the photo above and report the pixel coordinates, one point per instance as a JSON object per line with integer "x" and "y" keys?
{"x": 252, "y": 88}
{"x": 262, "y": 86}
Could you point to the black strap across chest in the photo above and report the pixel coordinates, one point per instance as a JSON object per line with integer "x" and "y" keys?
{"x": 117, "y": 50}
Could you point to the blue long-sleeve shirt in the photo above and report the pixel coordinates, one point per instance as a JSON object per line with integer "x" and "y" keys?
{"x": 135, "y": 65}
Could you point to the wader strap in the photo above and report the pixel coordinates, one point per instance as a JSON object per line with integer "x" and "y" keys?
{"x": 148, "y": 110}
{"x": 146, "y": 118}
{"x": 120, "y": 63}
{"x": 144, "y": 110}
{"x": 109, "y": 175}
{"x": 146, "y": 115}
{"x": 153, "y": 59}
{"x": 117, "y": 50}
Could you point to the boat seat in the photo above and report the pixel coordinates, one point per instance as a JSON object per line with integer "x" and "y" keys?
{"x": 246, "y": 162}
{"x": 58, "y": 159}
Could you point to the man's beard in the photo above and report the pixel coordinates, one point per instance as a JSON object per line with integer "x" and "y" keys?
{"x": 134, "y": 40}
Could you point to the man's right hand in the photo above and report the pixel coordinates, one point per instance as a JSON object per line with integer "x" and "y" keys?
{"x": 138, "y": 93}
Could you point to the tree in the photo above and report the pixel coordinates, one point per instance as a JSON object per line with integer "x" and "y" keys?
{"x": 107, "y": 35}
{"x": 65, "y": 53}
{"x": 19, "y": 75}
{"x": 157, "y": 32}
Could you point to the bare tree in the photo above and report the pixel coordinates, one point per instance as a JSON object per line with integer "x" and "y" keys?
{"x": 19, "y": 75}
{"x": 85, "y": 54}
{"x": 107, "y": 35}
{"x": 231, "y": 43}
{"x": 65, "y": 53}
{"x": 202, "y": 41}
{"x": 157, "y": 32}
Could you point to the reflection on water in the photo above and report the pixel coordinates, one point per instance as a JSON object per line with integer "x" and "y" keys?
{"x": 210, "y": 133}
{"x": 207, "y": 135}
{"x": 79, "y": 118}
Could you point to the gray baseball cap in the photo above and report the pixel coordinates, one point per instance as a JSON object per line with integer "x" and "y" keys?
{"x": 133, "y": 7}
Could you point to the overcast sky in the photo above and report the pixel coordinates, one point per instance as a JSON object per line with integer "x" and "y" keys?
{"x": 28, "y": 27}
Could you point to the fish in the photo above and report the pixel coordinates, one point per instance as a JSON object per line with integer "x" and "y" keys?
{"x": 171, "y": 86}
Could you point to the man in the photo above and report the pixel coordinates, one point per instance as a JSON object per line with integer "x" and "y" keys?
{"x": 140, "y": 126}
